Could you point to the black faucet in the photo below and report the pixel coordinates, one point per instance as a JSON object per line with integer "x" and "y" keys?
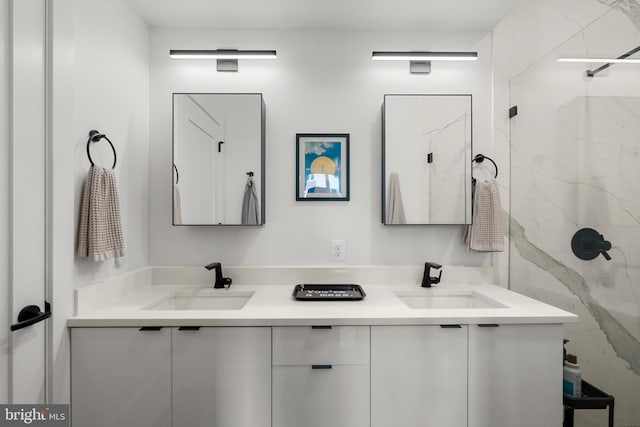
{"x": 221, "y": 282}
{"x": 427, "y": 280}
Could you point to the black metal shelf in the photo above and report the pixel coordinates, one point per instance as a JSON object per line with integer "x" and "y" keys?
{"x": 592, "y": 398}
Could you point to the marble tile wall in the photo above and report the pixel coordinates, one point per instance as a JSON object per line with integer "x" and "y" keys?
{"x": 574, "y": 153}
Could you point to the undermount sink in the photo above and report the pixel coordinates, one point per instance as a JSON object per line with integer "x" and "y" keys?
{"x": 223, "y": 300}
{"x": 439, "y": 299}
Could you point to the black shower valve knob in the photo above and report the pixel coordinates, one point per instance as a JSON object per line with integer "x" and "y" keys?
{"x": 587, "y": 244}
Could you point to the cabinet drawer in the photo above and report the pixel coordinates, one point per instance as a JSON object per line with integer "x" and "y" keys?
{"x": 336, "y": 397}
{"x": 306, "y": 345}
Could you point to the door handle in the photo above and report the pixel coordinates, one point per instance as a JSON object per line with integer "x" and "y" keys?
{"x": 30, "y": 315}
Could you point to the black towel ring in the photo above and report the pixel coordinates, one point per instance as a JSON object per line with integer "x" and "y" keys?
{"x": 250, "y": 174}
{"x": 177, "y": 175}
{"x": 95, "y": 136}
{"x": 479, "y": 158}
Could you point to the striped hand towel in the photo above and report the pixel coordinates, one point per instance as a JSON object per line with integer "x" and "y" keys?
{"x": 486, "y": 233}
{"x": 100, "y": 229}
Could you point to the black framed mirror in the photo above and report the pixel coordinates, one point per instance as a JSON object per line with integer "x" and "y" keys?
{"x": 426, "y": 159}
{"x": 218, "y": 149}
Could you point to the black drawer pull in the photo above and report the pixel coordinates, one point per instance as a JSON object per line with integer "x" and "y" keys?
{"x": 189, "y": 328}
{"x": 321, "y": 327}
{"x": 321, "y": 366}
{"x": 450, "y": 326}
{"x": 150, "y": 328}
{"x": 488, "y": 325}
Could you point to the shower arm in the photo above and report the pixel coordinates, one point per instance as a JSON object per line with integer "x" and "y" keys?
{"x": 592, "y": 73}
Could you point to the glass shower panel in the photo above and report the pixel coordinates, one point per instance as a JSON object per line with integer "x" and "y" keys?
{"x": 575, "y": 163}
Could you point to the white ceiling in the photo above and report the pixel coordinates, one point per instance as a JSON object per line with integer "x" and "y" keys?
{"x": 380, "y": 15}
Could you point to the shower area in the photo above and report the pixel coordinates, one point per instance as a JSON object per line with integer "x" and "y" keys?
{"x": 575, "y": 163}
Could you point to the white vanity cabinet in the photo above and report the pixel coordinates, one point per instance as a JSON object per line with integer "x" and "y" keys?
{"x": 419, "y": 376}
{"x": 221, "y": 376}
{"x": 325, "y": 376}
{"x": 515, "y": 375}
{"x": 321, "y": 376}
{"x": 120, "y": 377}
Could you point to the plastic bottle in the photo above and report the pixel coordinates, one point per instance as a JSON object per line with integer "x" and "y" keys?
{"x": 571, "y": 377}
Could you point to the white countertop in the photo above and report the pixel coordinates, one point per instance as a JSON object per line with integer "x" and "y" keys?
{"x": 272, "y": 305}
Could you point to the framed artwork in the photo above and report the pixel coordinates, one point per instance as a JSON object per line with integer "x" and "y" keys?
{"x": 322, "y": 166}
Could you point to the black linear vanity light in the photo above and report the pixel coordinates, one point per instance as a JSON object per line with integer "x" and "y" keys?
{"x": 227, "y": 59}
{"x": 420, "y": 62}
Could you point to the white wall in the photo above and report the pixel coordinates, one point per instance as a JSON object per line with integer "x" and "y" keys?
{"x": 99, "y": 74}
{"x": 111, "y": 94}
{"x": 4, "y": 201}
{"x": 61, "y": 243}
{"x": 321, "y": 82}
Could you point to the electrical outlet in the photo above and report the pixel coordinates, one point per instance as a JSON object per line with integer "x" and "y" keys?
{"x": 338, "y": 250}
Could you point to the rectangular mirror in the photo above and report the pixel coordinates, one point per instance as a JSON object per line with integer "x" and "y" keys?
{"x": 426, "y": 159}
{"x": 218, "y": 158}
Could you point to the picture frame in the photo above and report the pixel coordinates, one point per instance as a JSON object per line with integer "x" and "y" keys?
{"x": 322, "y": 167}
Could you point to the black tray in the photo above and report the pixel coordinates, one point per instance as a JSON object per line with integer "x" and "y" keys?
{"x": 316, "y": 292}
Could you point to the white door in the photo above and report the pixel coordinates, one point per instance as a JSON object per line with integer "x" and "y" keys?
{"x": 23, "y": 219}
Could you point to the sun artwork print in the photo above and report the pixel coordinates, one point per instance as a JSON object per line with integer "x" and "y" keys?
{"x": 322, "y": 167}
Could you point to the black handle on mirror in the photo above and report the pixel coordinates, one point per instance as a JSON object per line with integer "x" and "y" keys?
{"x": 30, "y": 315}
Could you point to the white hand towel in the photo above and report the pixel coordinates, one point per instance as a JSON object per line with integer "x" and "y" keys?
{"x": 486, "y": 233}
{"x": 177, "y": 205}
{"x": 395, "y": 208}
{"x": 100, "y": 229}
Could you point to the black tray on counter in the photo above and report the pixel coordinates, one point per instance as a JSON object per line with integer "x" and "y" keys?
{"x": 329, "y": 292}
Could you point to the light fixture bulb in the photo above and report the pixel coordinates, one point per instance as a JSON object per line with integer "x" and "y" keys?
{"x": 222, "y": 54}
{"x": 424, "y": 56}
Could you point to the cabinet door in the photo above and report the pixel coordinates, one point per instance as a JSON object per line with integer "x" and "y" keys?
{"x": 515, "y": 375}
{"x": 327, "y": 397}
{"x": 418, "y": 376}
{"x": 222, "y": 377}
{"x": 120, "y": 377}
